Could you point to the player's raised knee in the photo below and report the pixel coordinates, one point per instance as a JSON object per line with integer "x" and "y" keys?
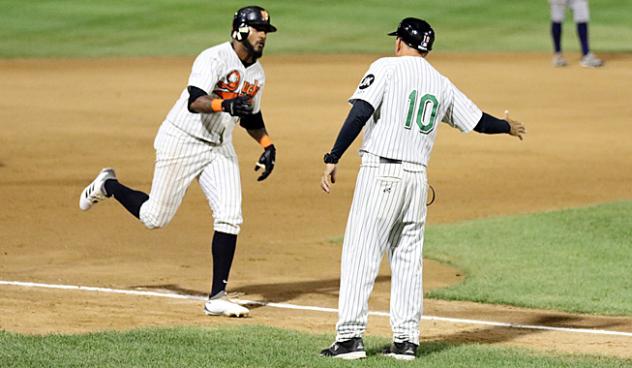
{"x": 154, "y": 222}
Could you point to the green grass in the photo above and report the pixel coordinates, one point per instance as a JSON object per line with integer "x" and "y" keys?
{"x": 574, "y": 260}
{"x": 79, "y": 28}
{"x": 251, "y": 347}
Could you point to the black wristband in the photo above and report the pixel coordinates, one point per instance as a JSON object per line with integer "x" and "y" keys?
{"x": 330, "y": 158}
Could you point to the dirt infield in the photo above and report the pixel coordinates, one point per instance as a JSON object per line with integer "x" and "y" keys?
{"x": 62, "y": 120}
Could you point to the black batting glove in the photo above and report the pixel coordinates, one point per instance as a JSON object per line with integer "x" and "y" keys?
{"x": 266, "y": 162}
{"x": 238, "y": 106}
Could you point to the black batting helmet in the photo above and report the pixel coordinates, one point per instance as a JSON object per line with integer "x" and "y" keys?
{"x": 416, "y": 33}
{"x": 253, "y": 16}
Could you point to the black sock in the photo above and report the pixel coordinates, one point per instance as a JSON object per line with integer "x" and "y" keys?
{"x": 129, "y": 198}
{"x": 556, "y": 33}
{"x": 582, "y": 33}
{"x": 223, "y": 250}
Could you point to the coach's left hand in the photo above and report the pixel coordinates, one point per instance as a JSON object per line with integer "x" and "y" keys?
{"x": 266, "y": 162}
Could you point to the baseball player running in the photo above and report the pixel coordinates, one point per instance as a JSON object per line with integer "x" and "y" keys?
{"x": 581, "y": 17}
{"x": 195, "y": 142}
{"x": 399, "y": 102}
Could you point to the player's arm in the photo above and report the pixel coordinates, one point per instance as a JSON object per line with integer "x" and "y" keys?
{"x": 489, "y": 124}
{"x": 256, "y": 128}
{"x": 204, "y": 76}
{"x": 201, "y": 102}
{"x": 355, "y": 121}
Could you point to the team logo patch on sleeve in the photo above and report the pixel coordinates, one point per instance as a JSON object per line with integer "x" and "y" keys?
{"x": 367, "y": 81}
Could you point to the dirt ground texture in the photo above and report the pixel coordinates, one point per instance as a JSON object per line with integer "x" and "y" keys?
{"x": 61, "y": 121}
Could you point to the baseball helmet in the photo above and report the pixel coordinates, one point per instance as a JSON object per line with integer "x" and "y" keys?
{"x": 253, "y": 16}
{"x": 416, "y": 33}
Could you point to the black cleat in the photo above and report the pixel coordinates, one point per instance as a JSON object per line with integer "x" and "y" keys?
{"x": 402, "y": 350}
{"x": 348, "y": 350}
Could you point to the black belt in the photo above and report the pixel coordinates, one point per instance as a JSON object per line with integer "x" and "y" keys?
{"x": 384, "y": 160}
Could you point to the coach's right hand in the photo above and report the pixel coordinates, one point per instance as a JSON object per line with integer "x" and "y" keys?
{"x": 238, "y": 106}
{"x": 328, "y": 178}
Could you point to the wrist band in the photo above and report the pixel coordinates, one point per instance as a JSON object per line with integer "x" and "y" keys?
{"x": 216, "y": 104}
{"x": 265, "y": 141}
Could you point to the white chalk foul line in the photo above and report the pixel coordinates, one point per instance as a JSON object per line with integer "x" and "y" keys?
{"x": 309, "y": 308}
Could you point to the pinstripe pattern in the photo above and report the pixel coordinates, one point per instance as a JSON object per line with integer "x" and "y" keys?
{"x": 388, "y": 211}
{"x": 180, "y": 159}
{"x": 387, "y": 214}
{"x": 199, "y": 146}
{"x": 211, "y": 67}
{"x": 395, "y": 79}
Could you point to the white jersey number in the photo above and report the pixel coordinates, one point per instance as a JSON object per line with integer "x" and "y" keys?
{"x": 426, "y": 113}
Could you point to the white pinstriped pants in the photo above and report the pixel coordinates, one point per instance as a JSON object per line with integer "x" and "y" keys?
{"x": 388, "y": 213}
{"x": 181, "y": 158}
{"x": 580, "y": 10}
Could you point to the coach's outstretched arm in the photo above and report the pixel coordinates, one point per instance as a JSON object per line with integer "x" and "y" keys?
{"x": 358, "y": 116}
{"x": 489, "y": 124}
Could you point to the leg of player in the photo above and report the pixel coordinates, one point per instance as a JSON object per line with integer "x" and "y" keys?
{"x": 581, "y": 16}
{"x": 178, "y": 162}
{"x": 131, "y": 199}
{"x": 221, "y": 184}
{"x": 558, "y": 9}
{"x": 106, "y": 185}
{"x": 374, "y": 210}
{"x": 405, "y": 257}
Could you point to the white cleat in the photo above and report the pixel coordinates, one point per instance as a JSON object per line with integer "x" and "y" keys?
{"x": 94, "y": 192}
{"x": 221, "y": 305}
{"x": 591, "y": 61}
{"x": 559, "y": 61}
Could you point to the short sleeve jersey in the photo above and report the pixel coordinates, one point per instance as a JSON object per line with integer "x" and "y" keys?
{"x": 219, "y": 72}
{"x": 410, "y": 97}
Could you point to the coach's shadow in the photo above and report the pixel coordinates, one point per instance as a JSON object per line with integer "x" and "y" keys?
{"x": 498, "y": 334}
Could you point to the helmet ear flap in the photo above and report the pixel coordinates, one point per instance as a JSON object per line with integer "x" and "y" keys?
{"x": 242, "y": 32}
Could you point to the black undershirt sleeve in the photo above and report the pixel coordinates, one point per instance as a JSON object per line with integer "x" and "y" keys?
{"x": 194, "y": 93}
{"x": 358, "y": 116}
{"x": 250, "y": 122}
{"x": 491, "y": 125}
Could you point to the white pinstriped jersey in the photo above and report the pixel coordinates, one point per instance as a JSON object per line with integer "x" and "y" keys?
{"x": 219, "y": 72}
{"x": 410, "y": 97}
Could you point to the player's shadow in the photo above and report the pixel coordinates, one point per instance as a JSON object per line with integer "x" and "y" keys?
{"x": 173, "y": 288}
{"x": 270, "y": 292}
{"x": 282, "y": 292}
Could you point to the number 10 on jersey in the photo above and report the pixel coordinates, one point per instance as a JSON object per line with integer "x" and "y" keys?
{"x": 426, "y": 113}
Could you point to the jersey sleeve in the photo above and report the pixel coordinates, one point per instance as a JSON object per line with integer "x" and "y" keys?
{"x": 205, "y": 72}
{"x": 373, "y": 84}
{"x": 461, "y": 112}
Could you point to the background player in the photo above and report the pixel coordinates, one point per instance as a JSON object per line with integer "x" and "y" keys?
{"x": 580, "y": 16}
{"x": 195, "y": 142}
{"x": 400, "y": 100}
